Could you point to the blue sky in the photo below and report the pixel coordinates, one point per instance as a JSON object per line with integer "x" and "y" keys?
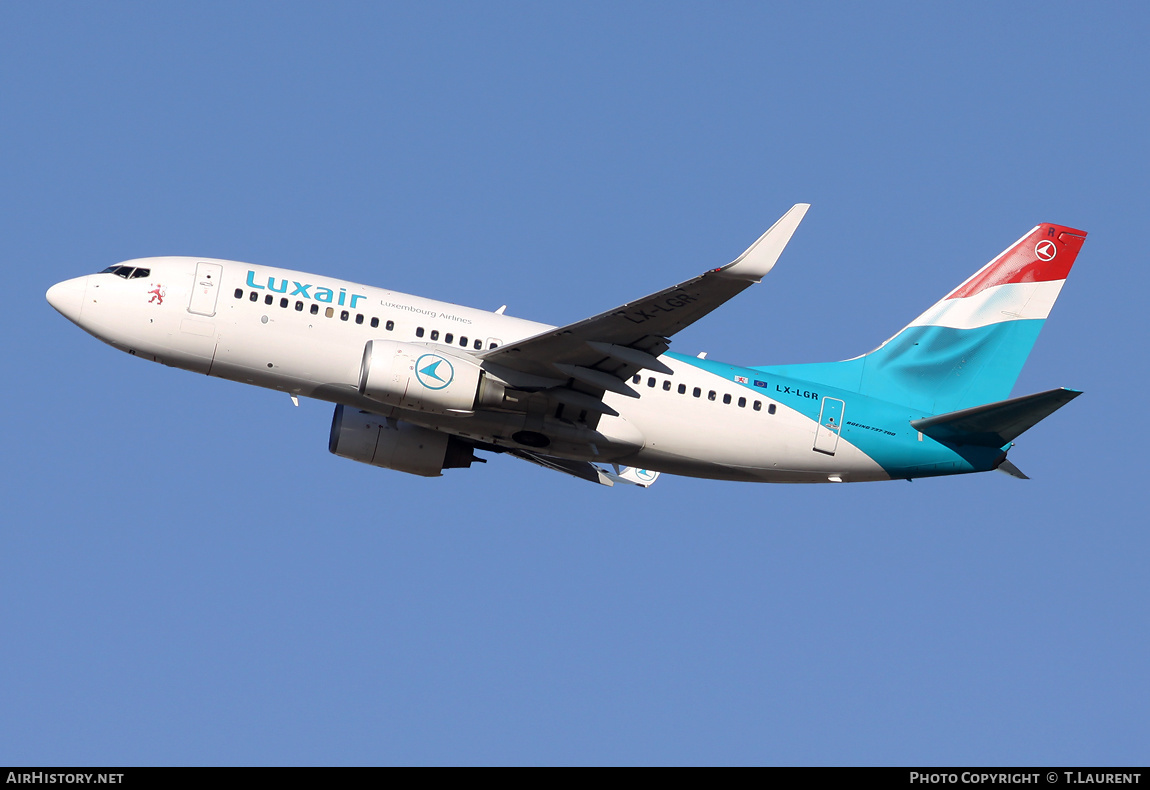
{"x": 191, "y": 578}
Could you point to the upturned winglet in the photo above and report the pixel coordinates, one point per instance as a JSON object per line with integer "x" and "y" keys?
{"x": 761, "y": 256}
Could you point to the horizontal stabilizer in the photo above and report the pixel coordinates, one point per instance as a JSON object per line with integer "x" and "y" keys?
{"x": 1008, "y": 468}
{"x": 636, "y": 477}
{"x": 995, "y": 424}
{"x": 588, "y": 471}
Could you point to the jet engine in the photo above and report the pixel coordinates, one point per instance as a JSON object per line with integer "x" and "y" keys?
{"x": 423, "y": 378}
{"x": 393, "y": 444}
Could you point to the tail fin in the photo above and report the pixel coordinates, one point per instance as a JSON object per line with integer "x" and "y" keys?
{"x": 969, "y": 348}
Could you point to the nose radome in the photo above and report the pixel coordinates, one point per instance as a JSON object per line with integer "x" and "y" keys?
{"x": 68, "y": 297}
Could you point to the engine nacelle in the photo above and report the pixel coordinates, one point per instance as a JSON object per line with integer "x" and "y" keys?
{"x": 393, "y": 444}
{"x": 417, "y": 377}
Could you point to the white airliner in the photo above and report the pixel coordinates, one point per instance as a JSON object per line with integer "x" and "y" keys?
{"x": 420, "y": 386}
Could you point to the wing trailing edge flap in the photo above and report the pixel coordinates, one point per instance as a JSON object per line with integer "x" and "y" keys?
{"x": 580, "y": 400}
{"x": 632, "y": 356}
{"x": 995, "y": 424}
{"x": 584, "y": 470}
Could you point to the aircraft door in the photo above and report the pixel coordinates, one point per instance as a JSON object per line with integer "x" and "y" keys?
{"x": 206, "y": 289}
{"x": 830, "y": 424}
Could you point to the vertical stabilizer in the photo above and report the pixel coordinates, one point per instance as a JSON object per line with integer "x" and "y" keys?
{"x": 969, "y": 347}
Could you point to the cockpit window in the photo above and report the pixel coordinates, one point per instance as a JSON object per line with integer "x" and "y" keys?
{"x": 127, "y": 272}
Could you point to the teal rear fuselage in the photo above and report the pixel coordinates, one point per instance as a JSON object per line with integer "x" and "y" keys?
{"x": 879, "y": 428}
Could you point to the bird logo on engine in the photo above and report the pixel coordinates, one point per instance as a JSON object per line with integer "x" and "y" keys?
{"x": 434, "y": 371}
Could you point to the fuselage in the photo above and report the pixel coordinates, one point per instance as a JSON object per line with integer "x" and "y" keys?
{"x": 305, "y": 335}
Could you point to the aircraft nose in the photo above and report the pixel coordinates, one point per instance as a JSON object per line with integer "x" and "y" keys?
{"x": 68, "y": 297}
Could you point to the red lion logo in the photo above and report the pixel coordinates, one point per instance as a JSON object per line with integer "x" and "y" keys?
{"x": 158, "y": 294}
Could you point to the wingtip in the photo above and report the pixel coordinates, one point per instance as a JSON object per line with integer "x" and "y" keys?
{"x": 758, "y": 259}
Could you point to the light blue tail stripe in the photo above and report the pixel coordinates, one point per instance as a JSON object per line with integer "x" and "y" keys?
{"x": 931, "y": 368}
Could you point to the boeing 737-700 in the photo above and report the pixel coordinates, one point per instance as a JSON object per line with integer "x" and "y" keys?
{"x": 421, "y": 386}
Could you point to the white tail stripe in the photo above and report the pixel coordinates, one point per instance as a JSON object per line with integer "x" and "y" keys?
{"x": 1009, "y": 302}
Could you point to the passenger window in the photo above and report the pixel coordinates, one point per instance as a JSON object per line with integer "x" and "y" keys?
{"x": 493, "y": 345}
{"x": 771, "y": 409}
{"x": 435, "y": 334}
{"x": 696, "y": 392}
{"x": 758, "y": 406}
{"x": 239, "y": 292}
{"x": 419, "y": 331}
{"x": 344, "y": 315}
{"x": 315, "y": 309}
{"x": 478, "y": 344}
{"x": 463, "y": 341}
{"x": 651, "y": 382}
{"x": 449, "y": 338}
{"x": 359, "y": 318}
{"x": 727, "y": 399}
{"x": 666, "y": 386}
{"x": 329, "y": 312}
{"x": 299, "y": 307}
{"x": 711, "y": 395}
{"x": 636, "y": 379}
{"x": 269, "y": 299}
{"x": 391, "y": 325}
{"x": 374, "y": 323}
{"x": 255, "y": 297}
{"x": 742, "y": 403}
{"x": 284, "y": 302}
{"x": 682, "y": 389}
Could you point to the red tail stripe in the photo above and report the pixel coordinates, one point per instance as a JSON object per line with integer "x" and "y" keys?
{"x": 1029, "y": 261}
